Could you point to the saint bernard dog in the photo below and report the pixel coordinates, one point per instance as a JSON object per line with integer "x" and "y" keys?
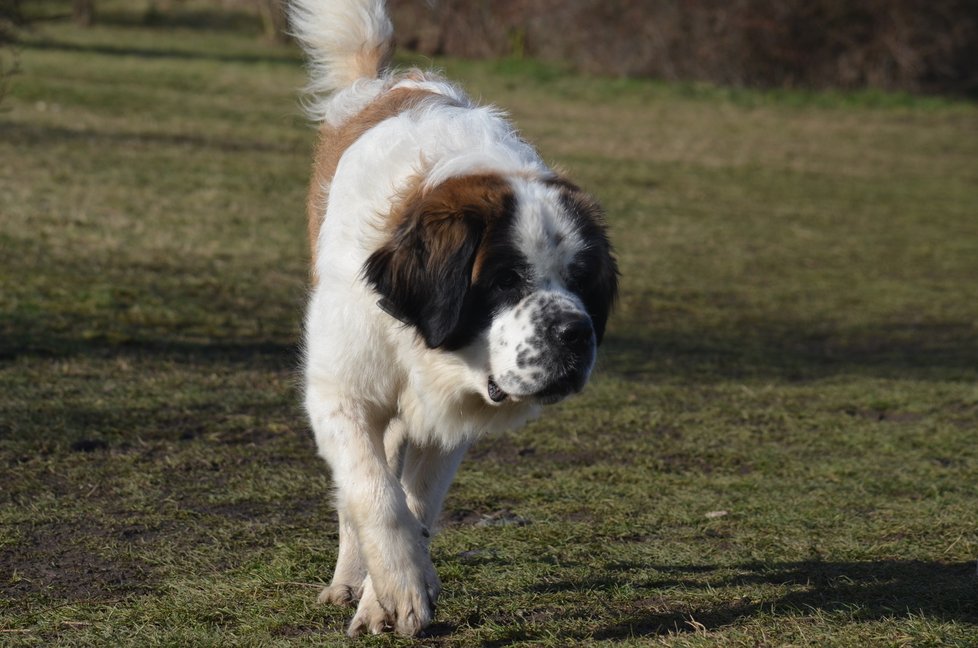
{"x": 458, "y": 284}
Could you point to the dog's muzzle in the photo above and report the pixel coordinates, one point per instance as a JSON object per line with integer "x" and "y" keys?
{"x": 568, "y": 357}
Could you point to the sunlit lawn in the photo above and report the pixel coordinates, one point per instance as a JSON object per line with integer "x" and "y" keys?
{"x": 779, "y": 449}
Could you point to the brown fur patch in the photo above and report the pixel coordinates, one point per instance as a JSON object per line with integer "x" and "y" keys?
{"x": 437, "y": 236}
{"x": 333, "y": 143}
{"x": 369, "y": 63}
{"x": 487, "y": 196}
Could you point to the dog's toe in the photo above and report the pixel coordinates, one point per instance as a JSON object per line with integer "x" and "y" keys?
{"x": 370, "y": 617}
{"x": 407, "y": 614}
{"x": 411, "y": 623}
{"x": 339, "y": 594}
{"x": 414, "y": 613}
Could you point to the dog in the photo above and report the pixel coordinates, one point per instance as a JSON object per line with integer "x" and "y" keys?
{"x": 458, "y": 285}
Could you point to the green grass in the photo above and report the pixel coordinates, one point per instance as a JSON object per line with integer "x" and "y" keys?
{"x": 779, "y": 447}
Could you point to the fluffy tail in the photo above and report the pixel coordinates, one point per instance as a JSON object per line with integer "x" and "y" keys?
{"x": 345, "y": 40}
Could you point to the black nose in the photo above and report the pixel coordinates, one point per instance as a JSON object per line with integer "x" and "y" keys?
{"x": 574, "y": 333}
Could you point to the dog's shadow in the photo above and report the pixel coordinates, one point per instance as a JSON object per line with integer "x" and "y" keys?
{"x": 862, "y": 591}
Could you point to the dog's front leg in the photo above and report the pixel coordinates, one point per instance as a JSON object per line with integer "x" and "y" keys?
{"x": 349, "y": 576}
{"x": 402, "y": 586}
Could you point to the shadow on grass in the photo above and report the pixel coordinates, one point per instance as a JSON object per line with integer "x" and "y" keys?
{"x": 860, "y": 591}
{"x": 276, "y": 56}
{"x": 946, "y": 352}
{"x": 184, "y": 310}
{"x": 211, "y": 19}
{"x": 33, "y": 135}
{"x": 788, "y": 350}
{"x": 200, "y": 18}
{"x": 62, "y": 423}
{"x": 26, "y": 341}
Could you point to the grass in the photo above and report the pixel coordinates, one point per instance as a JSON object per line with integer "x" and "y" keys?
{"x": 779, "y": 448}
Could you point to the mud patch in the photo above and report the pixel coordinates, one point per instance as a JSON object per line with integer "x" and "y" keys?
{"x": 60, "y": 562}
{"x": 297, "y": 511}
{"x": 88, "y": 445}
{"x": 682, "y": 463}
{"x": 508, "y": 450}
{"x": 298, "y": 631}
{"x": 467, "y": 517}
{"x": 882, "y": 415}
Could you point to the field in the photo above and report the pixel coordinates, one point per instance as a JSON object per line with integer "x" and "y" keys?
{"x": 780, "y": 446}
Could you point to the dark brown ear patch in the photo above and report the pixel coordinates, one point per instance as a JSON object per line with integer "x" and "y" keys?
{"x": 424, "y": 272}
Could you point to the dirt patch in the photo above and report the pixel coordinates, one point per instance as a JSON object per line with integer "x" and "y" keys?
{"x": 881, "y": 415}
{"x": 298, "y": 631}
{"x": 60, "y": 562}
{"x": 508, "y": 450}
{"x": 468, "y": 517}
{"x": 300, "y": 511}
{"x": 88, "y": 445}
{"x": 582, "y": 515}
{"x": 459, "y": 518}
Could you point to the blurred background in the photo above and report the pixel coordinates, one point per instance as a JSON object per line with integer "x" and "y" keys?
{"x": 919, "y": 46}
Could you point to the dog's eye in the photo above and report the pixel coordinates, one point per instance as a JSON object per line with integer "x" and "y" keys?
{"x": 507, "y": 280}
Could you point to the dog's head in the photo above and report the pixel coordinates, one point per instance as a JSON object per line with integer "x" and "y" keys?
{"x": 521, "y": 268}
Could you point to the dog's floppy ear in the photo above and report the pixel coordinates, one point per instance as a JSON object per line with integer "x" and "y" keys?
{"x": 424, "y": 271}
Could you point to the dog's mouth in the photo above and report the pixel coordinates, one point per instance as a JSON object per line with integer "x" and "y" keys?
{"x": 557, "y": 390}
{"x": 496, "y": 395}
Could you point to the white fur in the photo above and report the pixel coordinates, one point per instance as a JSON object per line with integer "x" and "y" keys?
{"x": 392, "y": 417}
{"x": 335, "y": 34}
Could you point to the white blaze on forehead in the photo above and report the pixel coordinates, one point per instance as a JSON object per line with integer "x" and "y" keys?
{"x": 544, "y": 232}
{"x": 524, "y": 357}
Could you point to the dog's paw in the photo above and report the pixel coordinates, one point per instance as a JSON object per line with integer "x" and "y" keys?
{"x": 370, "y": 617}
{"x": 341, "y": 594}
{"x": 405, "y": 610}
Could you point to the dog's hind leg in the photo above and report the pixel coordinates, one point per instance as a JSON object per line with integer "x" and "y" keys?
{"x": 346, "y": 588}
{"x": 395, "y": 444}
{"x": 427, "y": 473}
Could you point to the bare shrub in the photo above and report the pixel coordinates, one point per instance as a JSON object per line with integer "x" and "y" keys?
{"x": 83, "y": 12}
{"x": 10, "y": 19}
{"x": 911, "y": 45}
{"x": 273, "y": 19}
